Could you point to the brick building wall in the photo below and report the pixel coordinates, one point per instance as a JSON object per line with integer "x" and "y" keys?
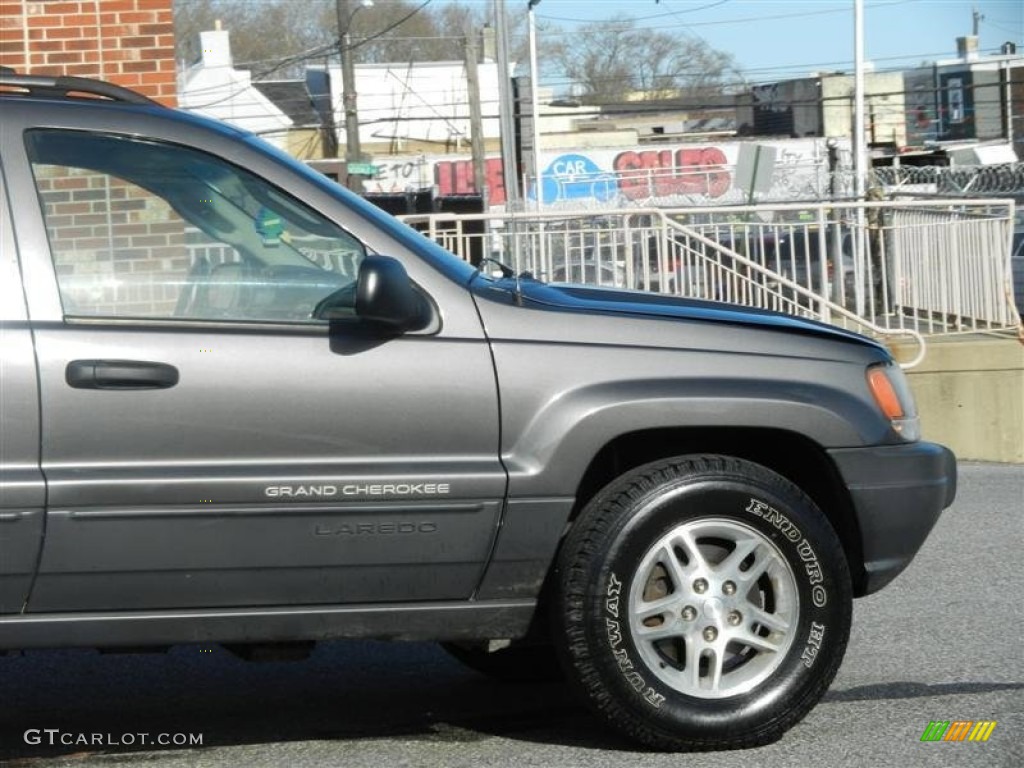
{"x": 108, "y": 238}
{"x": 118, "y": 250}
{"x": 128, "y": 42}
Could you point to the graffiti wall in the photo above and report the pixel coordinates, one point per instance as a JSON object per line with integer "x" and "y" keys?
{"x": 668, "y": 175}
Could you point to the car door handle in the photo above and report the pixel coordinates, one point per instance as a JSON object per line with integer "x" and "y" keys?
{"x": 120, "y": 374}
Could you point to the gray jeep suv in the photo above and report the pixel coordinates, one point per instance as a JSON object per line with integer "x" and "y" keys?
{"x": 242, "y": 405}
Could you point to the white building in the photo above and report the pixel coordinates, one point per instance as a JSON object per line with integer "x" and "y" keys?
{"x": 412, "y": 107}
{"x": 213, "y": 87}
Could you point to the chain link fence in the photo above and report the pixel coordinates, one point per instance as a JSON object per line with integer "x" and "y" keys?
{"x": 957, "y": 181}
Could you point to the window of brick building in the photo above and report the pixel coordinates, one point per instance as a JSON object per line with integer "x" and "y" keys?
{"x": 153, "y": 230}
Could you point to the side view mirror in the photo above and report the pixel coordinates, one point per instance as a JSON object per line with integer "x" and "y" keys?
{"x": 385, "y": 296}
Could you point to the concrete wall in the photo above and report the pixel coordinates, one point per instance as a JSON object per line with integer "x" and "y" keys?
{"x": 970, "y": 395}
{"x": 884, "y": 102}
{"x": 989, "y": 99}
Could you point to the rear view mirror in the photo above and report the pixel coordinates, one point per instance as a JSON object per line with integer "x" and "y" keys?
{"x": 385, "y": 295}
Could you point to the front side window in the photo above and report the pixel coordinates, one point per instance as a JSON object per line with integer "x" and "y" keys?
{"x": 150, "y": 230}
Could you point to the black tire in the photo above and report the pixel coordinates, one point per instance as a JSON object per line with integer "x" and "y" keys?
{"x": 512, "y": 664}
{"x": 689, "y": 520}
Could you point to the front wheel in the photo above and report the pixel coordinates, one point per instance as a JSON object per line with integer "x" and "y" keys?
{"x": 703, "y": 602}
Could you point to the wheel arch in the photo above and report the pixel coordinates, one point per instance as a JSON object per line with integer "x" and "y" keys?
{"x": 790, "y": 454}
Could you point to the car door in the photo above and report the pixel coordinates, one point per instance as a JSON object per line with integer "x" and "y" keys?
{"x": 206, "y": 442}
{"x": 22, "y": 491}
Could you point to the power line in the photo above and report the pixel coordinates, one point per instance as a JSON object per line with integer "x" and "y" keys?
{"x": 729, "y": 84}
{"x": 681, "y": 103}
{"x": 808, "y": 68}
{"x": 838, "y": 100}
{"x": 745, "y": 20}
{"x": 640, "y": 18}
{"x": 723, "y": 84}
{"x": 314, "y": 53}
{"x": 388, "y": 28}
{"x": 1001, "y": 28}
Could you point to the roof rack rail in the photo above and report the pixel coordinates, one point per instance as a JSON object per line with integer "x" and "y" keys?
{"x": 65, "y": 87}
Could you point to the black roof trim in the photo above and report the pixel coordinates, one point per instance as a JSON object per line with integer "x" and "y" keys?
{"x": 66, "y": 87}
{"x": 291, "y": 97}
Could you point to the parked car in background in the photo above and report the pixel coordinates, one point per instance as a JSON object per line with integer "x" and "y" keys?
{"x": 794, "y": 253}
{"x": 609, "y": 274}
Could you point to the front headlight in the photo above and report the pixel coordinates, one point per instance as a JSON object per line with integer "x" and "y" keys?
{"x": 889, "y": 387}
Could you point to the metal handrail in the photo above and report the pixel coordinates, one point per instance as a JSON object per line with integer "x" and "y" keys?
{"x": 877, "y": 266}
{"x": 798, "y": 289}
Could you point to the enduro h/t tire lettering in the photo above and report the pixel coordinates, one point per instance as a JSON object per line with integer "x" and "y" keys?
{"x": 703, "y": 602}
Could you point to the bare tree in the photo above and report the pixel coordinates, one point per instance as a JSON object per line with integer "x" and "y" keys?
{"x": 608, "y": 60}
{"x": 613, "y": 60}
{"x": 279, "y": 36}
{"x": 264, "y": 35}
{"x": 399, "y": 31}
{"x": 395, "y": 31}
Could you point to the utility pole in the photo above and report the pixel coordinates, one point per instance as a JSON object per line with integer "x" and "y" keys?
{"x": 538, "y": 187}
{"x": 977, "y": 17}
{"x": 859, "y": 154}
{"x": 508, "y": 125}
{"x": 476, "y": 122}
{"x": 353, "y": 150}
{"x": 329, "y": 128}
{"x": 860, "y": 158}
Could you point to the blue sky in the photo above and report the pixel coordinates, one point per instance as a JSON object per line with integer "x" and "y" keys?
{"x": 775, "y": 40}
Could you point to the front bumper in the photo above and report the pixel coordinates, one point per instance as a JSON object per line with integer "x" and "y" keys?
{"x": 898, "y": 493}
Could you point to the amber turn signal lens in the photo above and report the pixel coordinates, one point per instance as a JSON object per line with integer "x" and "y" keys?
{"x": 885, "y": 394}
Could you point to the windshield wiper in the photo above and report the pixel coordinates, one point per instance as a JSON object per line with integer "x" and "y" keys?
{"x": 506, "y": 270}
{"x": 506, "y": 273}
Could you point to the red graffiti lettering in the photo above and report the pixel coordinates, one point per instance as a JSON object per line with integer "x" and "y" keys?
{"x": 494, "y": 178}
{"x": 455, "y": 177}
{"x": 633, "y": 170}
{"x": 443, "y": 178}
{"x": 656, "y": 173}
{"x": 452, "y": 178}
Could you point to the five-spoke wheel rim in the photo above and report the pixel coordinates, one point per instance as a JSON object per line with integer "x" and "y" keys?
{"x": 713, "y": 608}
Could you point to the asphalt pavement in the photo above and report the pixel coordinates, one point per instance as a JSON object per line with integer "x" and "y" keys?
{"x": 943, "y": 642}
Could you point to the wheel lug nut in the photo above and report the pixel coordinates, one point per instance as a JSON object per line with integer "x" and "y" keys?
{"x": 689, "y": 613}
{"x": 700, "y": 586}
{"x": 735, "y": 617}
{"x": 729, "y": 588}
{"x": 710, "y": 634}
